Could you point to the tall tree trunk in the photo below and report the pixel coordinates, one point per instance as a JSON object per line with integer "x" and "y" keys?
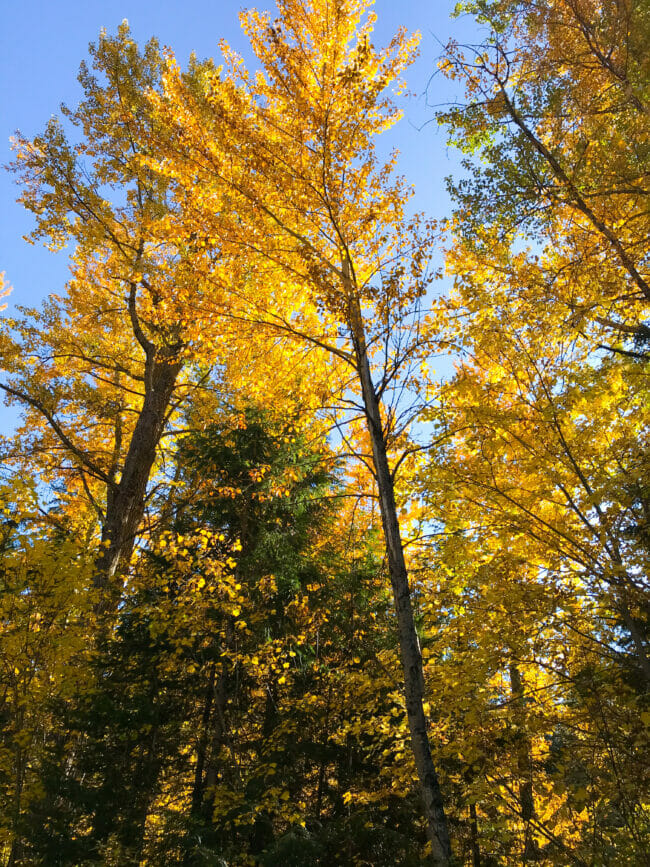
{"x": 222, "y": 691}
{"x": 476, "y": 851}
{"x": 202, "y": 745}
{"x": 218, "y": 736}
{"x": 148, "y": 774}
{"x": 637, "y": 639}
{"x": 524, "y": 764}
{"x": 437, "y": 829}
{"x": 323, "y": 759}
{"x": 126, "y": 499}
{"x": 17, "y": 844}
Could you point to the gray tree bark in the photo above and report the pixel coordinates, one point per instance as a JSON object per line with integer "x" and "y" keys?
{"x": 436, "y": 821}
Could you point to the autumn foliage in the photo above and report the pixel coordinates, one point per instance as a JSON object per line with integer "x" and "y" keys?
{"x": 271, "y": 593}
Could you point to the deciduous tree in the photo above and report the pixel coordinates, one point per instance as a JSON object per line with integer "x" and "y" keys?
{"x": 311, "y": 209}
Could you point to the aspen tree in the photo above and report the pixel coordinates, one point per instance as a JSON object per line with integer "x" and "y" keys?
{"x": 292, "y": 151}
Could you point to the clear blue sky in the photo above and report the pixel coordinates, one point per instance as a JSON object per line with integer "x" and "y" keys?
{"x": 42, "y": 43}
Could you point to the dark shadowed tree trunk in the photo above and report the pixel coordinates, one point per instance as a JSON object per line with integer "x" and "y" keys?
{"x": 524, "y": 765}
{"x": 125, "y": 501}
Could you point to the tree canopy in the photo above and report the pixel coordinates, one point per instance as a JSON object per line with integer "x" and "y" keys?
{"x": 271, "y": 592}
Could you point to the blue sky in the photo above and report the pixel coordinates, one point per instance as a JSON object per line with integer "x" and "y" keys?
{"x": 42, "y": 43}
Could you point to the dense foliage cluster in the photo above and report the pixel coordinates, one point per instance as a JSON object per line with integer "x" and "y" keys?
{"x": 270, "y": 593}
